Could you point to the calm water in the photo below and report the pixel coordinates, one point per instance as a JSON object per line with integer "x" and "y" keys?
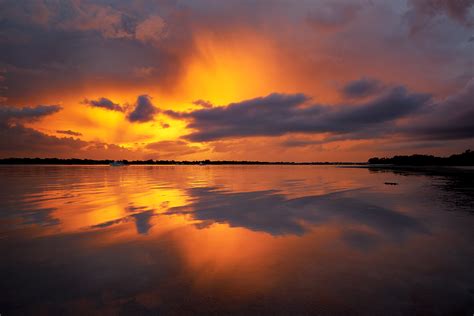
{"x": 235, "y": 240}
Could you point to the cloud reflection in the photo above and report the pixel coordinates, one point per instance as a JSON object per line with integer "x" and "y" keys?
{"x": 142, "y": 220}
{"x": 273, "y": 213}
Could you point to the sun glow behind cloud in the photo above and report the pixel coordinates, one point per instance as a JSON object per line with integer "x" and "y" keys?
{"x": 231, "y": 70}
{"x": 225, "y": 54}
{"x": 223, "y": 71}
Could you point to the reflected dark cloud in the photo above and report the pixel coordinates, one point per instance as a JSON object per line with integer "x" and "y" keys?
{"x": 41, "y": 217}
{"x": 29, "y": 213}
{"x": 142, "y": 217}
{"x": 110, "y": 223}
{"x": 273, "y": 213}
{"x": 142, "y": 222}
{"x": 360, "y": 240}
{"x": 178, "y": 269}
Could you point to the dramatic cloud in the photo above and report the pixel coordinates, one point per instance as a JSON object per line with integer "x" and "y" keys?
{"x": 86, "y": 16}
{"x": 21, "y": 141}
{"x": 449, "y": 119}
{"x": 279, "y": 114}
{"x": 219, "y": 52}
{"x": 51, "y": 45}
{"x": 150, "y": 30}
{"x": 422, "y": 13}
{"x": 456, "y": 9}
{"x": 144, "y": 110}
{"x": 104, "y": 103}
{"x": 109, "y": 20}
{"x": 9, "y": 113}
{"x": 361, "y": 88}
{"x": 69, "y": 132}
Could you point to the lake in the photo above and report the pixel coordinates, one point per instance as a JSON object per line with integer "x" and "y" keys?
{"x": 284, "y": 240}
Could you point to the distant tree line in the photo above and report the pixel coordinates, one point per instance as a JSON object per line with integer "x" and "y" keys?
{"x": 464, "y": 159}
{"x": 75, "y": 161}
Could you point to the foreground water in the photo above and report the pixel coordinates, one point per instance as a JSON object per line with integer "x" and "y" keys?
{"x": 235, "y": 240}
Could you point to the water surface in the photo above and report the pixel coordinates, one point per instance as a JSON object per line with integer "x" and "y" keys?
{"x": 235, "y": 240}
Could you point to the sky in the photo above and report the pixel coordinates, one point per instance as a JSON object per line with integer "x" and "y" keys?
{"x": 272, "y": 80}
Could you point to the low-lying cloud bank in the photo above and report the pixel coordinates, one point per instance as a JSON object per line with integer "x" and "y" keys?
{"x": 392, "y": 111}
{"x": 11, "y": 114}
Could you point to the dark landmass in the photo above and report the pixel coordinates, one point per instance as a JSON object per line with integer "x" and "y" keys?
{"x": 464, "y": 159}
{"x": 74, "y": 161}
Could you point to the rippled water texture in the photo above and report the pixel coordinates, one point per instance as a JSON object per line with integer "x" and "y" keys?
{"x": 235, "y": 240}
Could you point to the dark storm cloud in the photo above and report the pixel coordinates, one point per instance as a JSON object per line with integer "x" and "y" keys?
{"x": 69, "y": 132}
{"x": 144, "y": 110}
{"x": 361, "y": 88}
{"x": 279, "y": 114}
{"x": 104, "y": 103}
{"x": 50, "y": 45}
{"x": 421, "y": 12}
{"x": 448, "y": 119}
{"x": 110, "y": 19}
{"x": 456, "y": 9}
{"x": 10, "y": 113}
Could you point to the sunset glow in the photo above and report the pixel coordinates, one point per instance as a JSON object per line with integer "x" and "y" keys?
{"x": 188, "y": 61}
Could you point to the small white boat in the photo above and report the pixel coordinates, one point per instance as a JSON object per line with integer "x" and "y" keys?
{"x": 117, "y": 164}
